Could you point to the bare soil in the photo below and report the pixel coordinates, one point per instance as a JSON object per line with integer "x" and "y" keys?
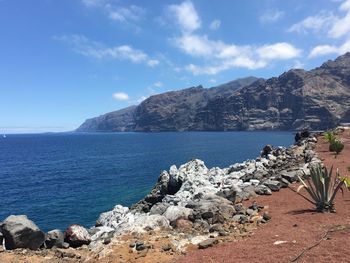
{"x": 325, "y": 237}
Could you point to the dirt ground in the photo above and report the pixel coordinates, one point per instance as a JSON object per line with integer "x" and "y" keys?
{"x": 325, "y": 237}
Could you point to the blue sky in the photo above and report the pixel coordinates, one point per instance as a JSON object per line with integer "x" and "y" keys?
{"x": 64, "y": 61}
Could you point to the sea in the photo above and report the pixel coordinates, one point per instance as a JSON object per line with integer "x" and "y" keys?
{"x": 63, "y": 178}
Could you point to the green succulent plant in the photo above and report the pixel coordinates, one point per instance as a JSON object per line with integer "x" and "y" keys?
{"x": 322, "y": 187}
{"x": 329, "y": 136}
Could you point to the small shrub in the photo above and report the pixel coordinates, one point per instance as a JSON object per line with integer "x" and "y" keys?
{"x": 330, "y": 136}
{"x": 322, "y": 188}
{"x": 336, "y": 146}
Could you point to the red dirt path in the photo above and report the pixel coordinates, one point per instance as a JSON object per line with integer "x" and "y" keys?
{"x": 293, "y": 221}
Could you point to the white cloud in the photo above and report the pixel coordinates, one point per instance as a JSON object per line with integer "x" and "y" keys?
{"x": 218, "y": 55}
{"x": 195, "y": 45}
{"x": 153, "y": 62}
{"x": 323, "y": 50}
{"x": 215, "y": 24}
{"x": 125, "y": 14}
{"x": 93, "y": 49}
{"x": 271, "y": 16}
{"x": 122, "y": 96}
{"x": 224, "y": 56}
{"x": 158, "y": 84}
{"x": 186, "y": 16}
{"x": 341, "y": 27}
{"x": 335, "y": 24}
{"x": 315, "y": 23}
{"x": 278, "y": 51}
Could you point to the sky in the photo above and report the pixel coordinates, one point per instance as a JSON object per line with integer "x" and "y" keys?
{"x": 62, "y": 62}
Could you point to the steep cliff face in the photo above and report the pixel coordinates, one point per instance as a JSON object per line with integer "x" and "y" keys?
{"x": 116, "y": 121}
{"x": 297, "y": 99}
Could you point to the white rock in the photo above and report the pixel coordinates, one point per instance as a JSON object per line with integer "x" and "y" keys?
{"x": 174, "y": 212}
{"x": 271, "y": 157}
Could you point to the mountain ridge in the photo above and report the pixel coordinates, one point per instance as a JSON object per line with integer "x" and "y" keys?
{"x": 297, "y": 99}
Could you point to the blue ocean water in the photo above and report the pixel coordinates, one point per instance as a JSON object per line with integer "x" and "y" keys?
{"x": 60, "y": 179}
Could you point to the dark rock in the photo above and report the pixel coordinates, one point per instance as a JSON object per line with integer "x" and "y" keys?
{"x": 266, "y": 216}
{"x": 76, "y": 236}
{"x": 262, "y": 190}
{"x": 240, "y": 209}
{"x": 284, "y": 182}
{"x": 291, "y": 176}
{"x": 215, "y": 228}
{"x": 167, "y": 247}
{"x": 273, "y": 185}
{"x": 255, "y": 206}
{"x": 54, "y": 238}
{"x": 229, "y": 194}
{"x": 20, "y": 232}
{"x": 140, "y": 246}
{"x": 207, "y": 215}
{"x": 266, "y": 150}
{"x": 242, "y": 219}
{"x": 207, "y": 243}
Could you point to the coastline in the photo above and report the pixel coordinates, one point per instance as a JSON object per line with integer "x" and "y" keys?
{"x": 184, "y": 202}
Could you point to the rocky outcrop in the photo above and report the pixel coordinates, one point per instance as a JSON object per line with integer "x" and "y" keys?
{"x": 196, "y": 198}
{"x": 116, "y": 121}
{"x": 20, "y": 232}
{"x": 317, "y": 99}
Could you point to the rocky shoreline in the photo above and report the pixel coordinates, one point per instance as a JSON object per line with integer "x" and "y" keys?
{"x": 189, "y": 205}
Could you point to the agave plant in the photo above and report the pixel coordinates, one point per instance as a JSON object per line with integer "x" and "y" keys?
{"x": 322, "y": 187}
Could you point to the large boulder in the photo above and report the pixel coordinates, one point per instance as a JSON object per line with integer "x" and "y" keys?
{"x": 115, "y": 217}
{"x": 175, "y": 212}
{"x": 76, "y": 236}
{"x": 20, "y": 232}
{"x": 212, "y": 208}
{"x": 159, "y": 208}
{"x": 54, "y": 238}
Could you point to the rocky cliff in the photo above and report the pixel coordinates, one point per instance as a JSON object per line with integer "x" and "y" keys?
{"x": 297, "y": 99}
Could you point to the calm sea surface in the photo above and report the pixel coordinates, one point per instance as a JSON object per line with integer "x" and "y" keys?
{"x": 60, "y": 179}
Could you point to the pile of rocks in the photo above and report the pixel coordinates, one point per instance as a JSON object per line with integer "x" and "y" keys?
{"x": 195, "y": 197}
{"x": 191, "y": 198}
{"x": 17, "y": 231}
